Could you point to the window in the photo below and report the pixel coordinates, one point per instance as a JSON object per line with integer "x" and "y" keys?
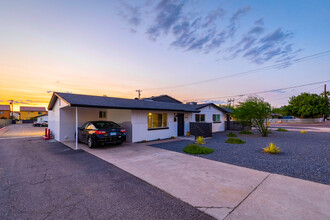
{"x": 102, "y": 114}
{"x": 157, "y": 120}
{"x": 39, "y": 113}
{"x": 1, "y": 113}
{"x": 200, "y": 117}
{"x": 216, "y": 118}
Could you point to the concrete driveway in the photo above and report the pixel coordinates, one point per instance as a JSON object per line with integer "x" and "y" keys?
{"x": 222, "y": 190}
{"x": 21, "y": 131}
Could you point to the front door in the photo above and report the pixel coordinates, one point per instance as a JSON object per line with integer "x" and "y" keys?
{"x": 180, "y": 124}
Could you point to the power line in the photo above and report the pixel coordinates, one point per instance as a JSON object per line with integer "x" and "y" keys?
{"x": 267, "y": 91}
{"x": 278, "y": 65}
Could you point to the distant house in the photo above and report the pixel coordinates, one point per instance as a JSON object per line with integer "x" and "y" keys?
{"x": 28, "y": 113}
{"x": 144, "y": 119}
{"x": 4, "y": 111}
{"x": 164, "y": 98}
{"x": 42, "y": 118}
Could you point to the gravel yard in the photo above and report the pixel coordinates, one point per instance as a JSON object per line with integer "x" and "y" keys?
{"x": 304, "y": 156}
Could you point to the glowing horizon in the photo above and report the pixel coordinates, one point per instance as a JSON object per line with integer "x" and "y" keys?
{"x": 114, "y": 48}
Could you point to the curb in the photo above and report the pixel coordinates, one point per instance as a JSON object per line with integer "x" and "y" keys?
{"x": 3, "y": 128}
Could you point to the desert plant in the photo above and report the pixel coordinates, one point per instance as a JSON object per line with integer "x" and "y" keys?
{"x": 247, "y": 132}
{"x": 234, "y": 141}
{"x": 144, "y": 141}
{"x": 281, "y": 129}
{"x": 303, "y": 131}
{"x": 231, "y": 134}
{"x": 172, "y": 137}
{"x": 188, "y": 133}
{"x": 200, "y": 140}
{"x": 158, "y": 139}
{"x": 272, "y": 149}
{"x": 254, "y": 112}
{"x": 196, "y": 149}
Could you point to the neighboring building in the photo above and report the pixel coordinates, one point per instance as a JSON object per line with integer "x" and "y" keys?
{"x": 164, "y": 98}
{"x": 143, "y": 119}
{"x": 42, "y": 118}
{"x": 4, "y": 111}
{"x": 28, "y": 113}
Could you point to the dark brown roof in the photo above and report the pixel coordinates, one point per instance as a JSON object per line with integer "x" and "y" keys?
{"x": 5, "y": 107}
{"x": 32, "y": 109}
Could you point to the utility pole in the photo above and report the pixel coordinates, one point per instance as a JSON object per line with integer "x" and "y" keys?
{"x": 326, "y": 101}
{"x": 139, "y": 92}
{"x": 231, "y": 100}
{"x": 12, "y": 109}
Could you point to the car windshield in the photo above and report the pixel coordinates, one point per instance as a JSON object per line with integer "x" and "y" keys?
{"x": 105, "y": 125}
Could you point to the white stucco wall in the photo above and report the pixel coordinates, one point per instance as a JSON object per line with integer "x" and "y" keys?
{"x": 209, "y": 111}
{"x": 140, "y": 130}
{"x": 54, "y": 120}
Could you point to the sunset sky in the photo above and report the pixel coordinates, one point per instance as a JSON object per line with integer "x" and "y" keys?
{"x": 161, "y": 47}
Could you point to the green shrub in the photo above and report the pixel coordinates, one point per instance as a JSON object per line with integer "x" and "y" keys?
{"x": 143, "y": 141}
{"x": 234, "y": 141}
{"x": 246, "y": 132}
{"x": 231, "y": 134}
{"x": 272, "y": 149}
{"x": 158, "y": 139}
{"x": 303, "y": 131}
{"x": 200, "y": 140}
{"x": 281, "y": 129}
{"x": 172, "y": 137}
{"x": 196, "y": 149}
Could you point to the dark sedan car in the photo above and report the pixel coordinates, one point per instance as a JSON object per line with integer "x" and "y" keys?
{"x": 95, "y": 133}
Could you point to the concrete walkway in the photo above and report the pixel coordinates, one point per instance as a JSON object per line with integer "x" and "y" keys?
{"x": 221, "y": 190}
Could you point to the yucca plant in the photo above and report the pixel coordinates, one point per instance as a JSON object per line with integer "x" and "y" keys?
{"x": 200, "y": 140}
{"x": 303, "y": 131}
{"x": 272, "y": 149}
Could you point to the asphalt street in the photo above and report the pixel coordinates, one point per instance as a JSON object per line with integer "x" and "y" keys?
{"x": 21, "y": 131}
{"x": 47, "y": 180}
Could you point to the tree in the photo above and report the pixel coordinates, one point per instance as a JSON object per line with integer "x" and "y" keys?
{"x": 308, "y": 105}
{"x": 255, "y": 112}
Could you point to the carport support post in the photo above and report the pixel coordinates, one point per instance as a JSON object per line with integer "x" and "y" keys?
{"x": 76, "y": 128}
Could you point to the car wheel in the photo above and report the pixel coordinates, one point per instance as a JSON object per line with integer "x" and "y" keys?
{"x": 90, "y": 142}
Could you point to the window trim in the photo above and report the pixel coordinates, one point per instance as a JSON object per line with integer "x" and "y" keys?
{"x": 214, "y": 120}
{"x": 157, "y": 128}
{"x": 200, "y": 117}
{"x": 102, "y": 114}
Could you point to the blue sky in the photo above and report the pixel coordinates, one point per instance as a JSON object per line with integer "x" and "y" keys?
{"x": 116, "y": 47}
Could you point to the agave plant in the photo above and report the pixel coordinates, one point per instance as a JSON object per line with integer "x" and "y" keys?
{"x": 272, "y": 149}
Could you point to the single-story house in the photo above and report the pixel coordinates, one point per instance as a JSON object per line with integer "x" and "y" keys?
{"x": 144, "y": 119}
{"x": 4, "y": 111}
{"x": 29, "y": 112}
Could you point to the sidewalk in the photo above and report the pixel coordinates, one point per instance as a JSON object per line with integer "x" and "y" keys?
{"x": 222, "y": 190}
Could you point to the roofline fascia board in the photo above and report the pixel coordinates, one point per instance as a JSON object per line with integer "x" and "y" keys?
{"x": 57, "y": 96}
{"x": 148, "y": 109}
